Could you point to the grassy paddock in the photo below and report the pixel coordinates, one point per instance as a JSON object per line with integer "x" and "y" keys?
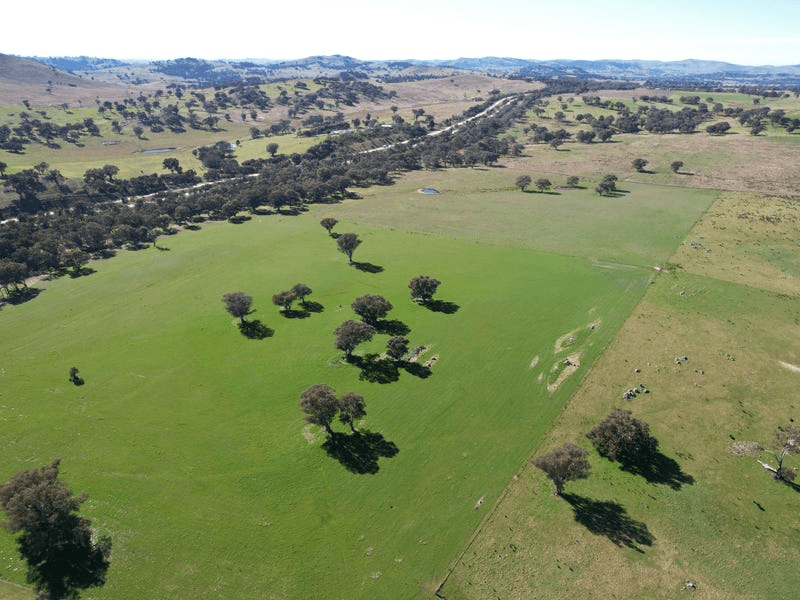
{"x": 188, "y": 437}
{"x": 732, "y": 530}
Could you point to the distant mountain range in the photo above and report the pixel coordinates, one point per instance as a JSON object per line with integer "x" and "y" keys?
{"x": 218, "y": 71}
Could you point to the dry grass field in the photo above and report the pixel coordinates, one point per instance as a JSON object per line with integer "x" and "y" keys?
{"x": 730, "y": 304}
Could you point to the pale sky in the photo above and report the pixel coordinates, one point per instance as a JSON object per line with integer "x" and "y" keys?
{"x": 750, "y": 32}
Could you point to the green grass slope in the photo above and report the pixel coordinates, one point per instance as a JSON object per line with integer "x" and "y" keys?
{"x": 188, "y": 437}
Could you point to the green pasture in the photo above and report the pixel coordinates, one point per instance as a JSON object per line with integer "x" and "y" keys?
{"x": 728, "y": 527}
{"x": 641, "y": 226}
{"x": 188, "y": 438}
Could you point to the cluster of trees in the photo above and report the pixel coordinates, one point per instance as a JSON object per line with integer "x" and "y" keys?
{"x": 542, "y": 184}
{"x": 619, "y": 437}
{"x": 285, "y": 298}
{"x": 607, "y": 185}
{"x": 321, "y": 406}
{"x": 63, "y": 553}
{"x": 30, "y": 130}
{"x": 372, "y": 308}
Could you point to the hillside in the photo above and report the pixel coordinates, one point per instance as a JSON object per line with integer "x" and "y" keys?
{"x": 215, "y": 71}
{"x": 22, "y": 79}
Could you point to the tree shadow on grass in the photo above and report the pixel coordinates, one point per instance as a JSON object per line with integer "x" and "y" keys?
{"x": 792, "y": 485}
{"x": 81, "y": 272}
{"x": 610, "y": 520}
{"x": 417, "y": 370}
{"x": 441, "y": 306}
{"x": 359, "y": 452}
{"x": 255, "y": 330}
{"x": 657, "y": 468}
{"x": 392, "y": 327}
{"x": 291, "y": 313}
{"x": 20, "y": 296}
{"x": 312, "y": 307}
{"x": 367, "y": 267}
{"x": 375, "y": 370}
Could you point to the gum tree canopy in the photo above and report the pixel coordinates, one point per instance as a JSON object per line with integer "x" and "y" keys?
{"x": 61, "y": 549}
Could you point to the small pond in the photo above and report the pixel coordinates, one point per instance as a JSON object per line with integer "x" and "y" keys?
{"x": 156, "y": 150}
{"x": 429, "y": 191}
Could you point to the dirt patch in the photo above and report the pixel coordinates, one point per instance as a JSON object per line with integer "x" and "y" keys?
{"x": 480, "y": 502}
{"x": 566, "y": 339}
{"x": 534, "y": 362}
{"x": 791, "y": 367}
{"x": 432, "y": 361}
{"x": 570, "y": 365}
{"x": 417, "y": 352}
{"x": 307, "y": 433}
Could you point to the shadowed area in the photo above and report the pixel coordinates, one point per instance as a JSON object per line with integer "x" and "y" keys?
{"x": 392, "y": 327}
{"x": 255, "y": 330}
{"x": 657, "y": 468}
{"x": 81, "y": 272}
{"x": 610, "y": 520}
{"x": 367, "y": 267}
{"x": 359, "y": 452}
{"x": 312, "y": 307}
{"x": 375, "y": 370}
{"x": 292, "y": 313}
{"x": 417, "y": 370}
{"x": 441, "y": 306}
{"x": 20, "y": 296}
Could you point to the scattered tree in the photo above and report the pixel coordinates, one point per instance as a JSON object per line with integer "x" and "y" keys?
{"x": 608, "y": 185}
{"x": 238, "y": 304}
{"x": 522, "y": 182}
{"x": 284, "y": 299}
{"x": 351, "y": 409}
{"x": 676, "y": 166}
{"x": 621, "y": 437}
{"x": 423, "y": 288}
{"x": 543, "y": 184}
{"x": 397, "y": 347}
{"x": 639, "y": 164}
{"x": 564, "y": 464}
{"x": 272, "y": 148}
{"x": 320, "y": 404}
{"x": 347, "y": 243}
{"x": 62, "y": 552}
{"x": 328, "y": 223}
{"x": 301, "y": 290}
{"x": 173, "y": 165}
{"x": 350, "y": 334}
{"x": 573, "y": 180}
{"x": 371, "y": 308}
{"x": 787, "y": 441}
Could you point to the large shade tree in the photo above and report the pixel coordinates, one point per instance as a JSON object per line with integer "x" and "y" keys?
{"x": 63, "y": 553}
{"x": 351, "y": 409}
{"x": 320, "y": 405}
{"x": 347, "y": 244}
{"x": 350, "y": 334}
{"x": 423, "y": 288}
{"x": 238, "y": 304}
{"x": 564, "y": 464}
{"x": 623, "y": 438}
{"x": 328, "y": 223}
{"x": 371, "y": 307}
